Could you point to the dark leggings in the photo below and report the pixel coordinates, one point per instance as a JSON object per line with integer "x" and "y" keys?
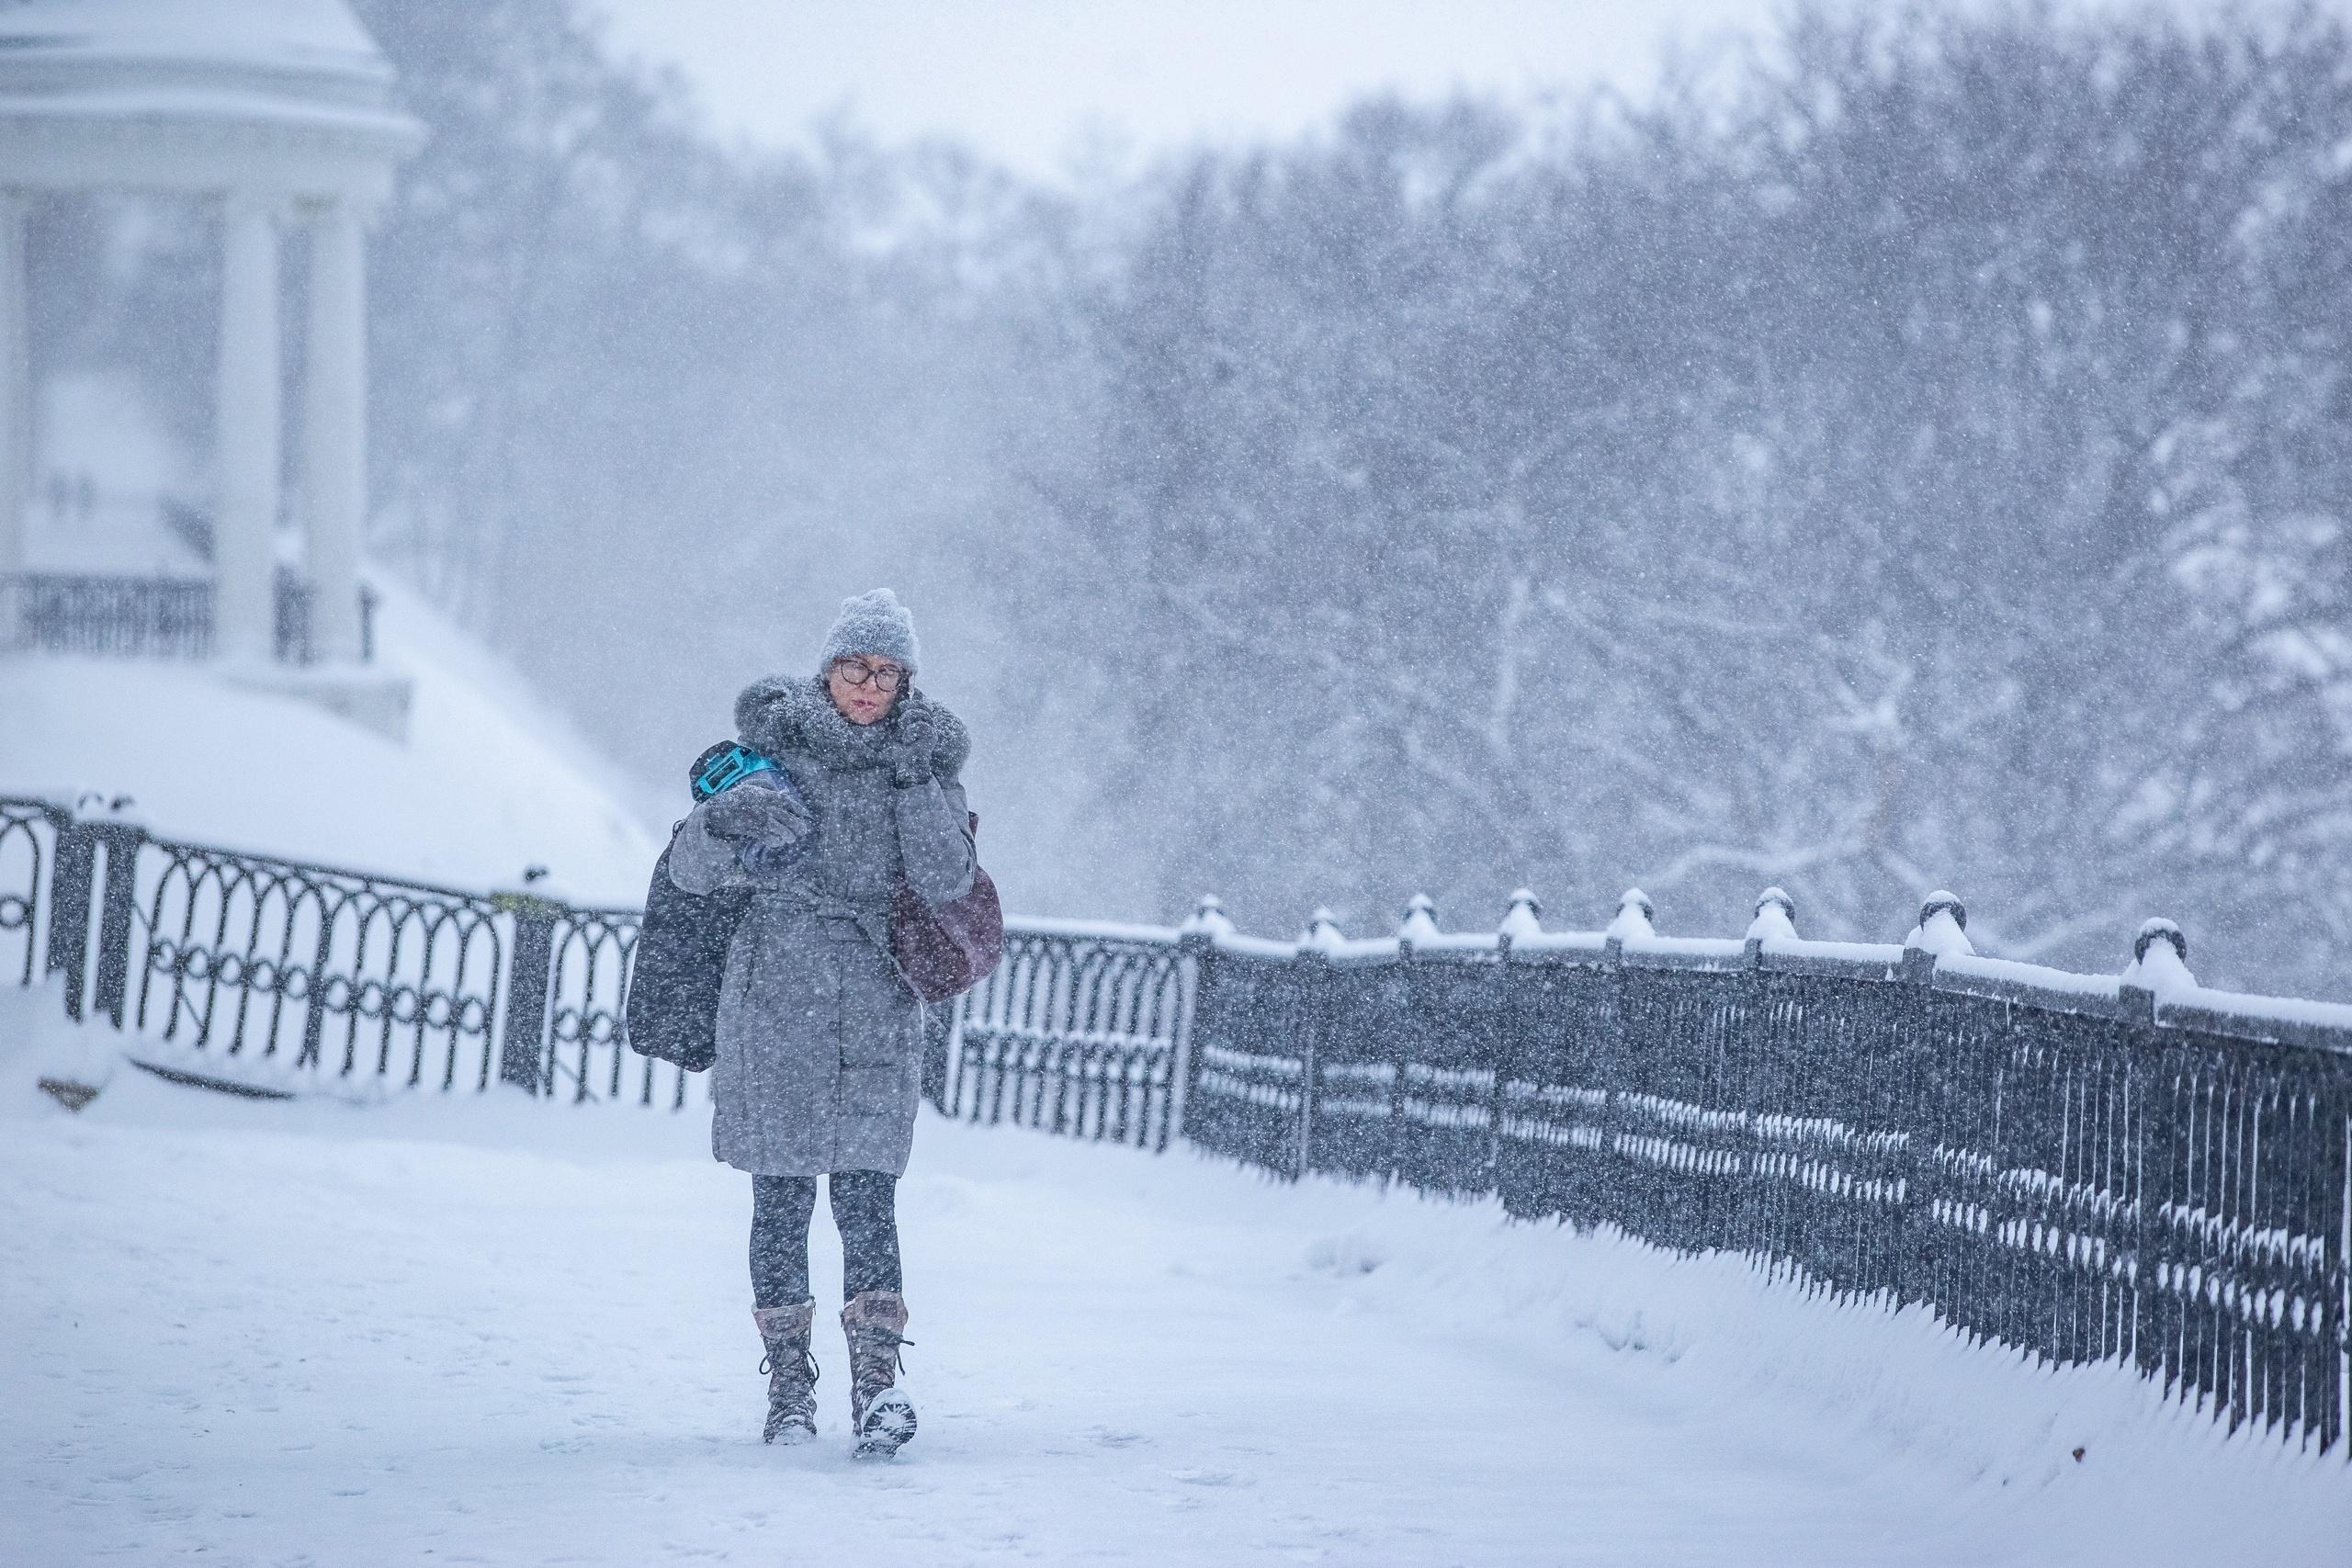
{"x": 865, "y": 1210}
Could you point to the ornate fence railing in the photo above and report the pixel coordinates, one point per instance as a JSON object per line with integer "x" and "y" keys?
{"x": 2130, "y": 1168}
{"x": 2133, "y": 1169}
{"x": 320, "y": 967}
{"x": 27, "y": 859}
{"x": 1080, "y": 1031}
{"x": 149, "y": 617}
{"x": 229, "y": 961}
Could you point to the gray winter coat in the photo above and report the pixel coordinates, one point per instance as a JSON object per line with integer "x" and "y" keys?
{"x": 820, "y": 1038}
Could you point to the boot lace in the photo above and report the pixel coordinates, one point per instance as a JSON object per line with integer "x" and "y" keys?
{"x": 807, "y": 1364}
{"x": 876, "y": 1343}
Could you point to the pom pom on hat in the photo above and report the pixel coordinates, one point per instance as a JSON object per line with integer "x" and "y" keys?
{"x": 874, "y": 624}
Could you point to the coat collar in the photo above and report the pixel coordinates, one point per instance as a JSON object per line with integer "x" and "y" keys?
{"x": 781, "y": 714}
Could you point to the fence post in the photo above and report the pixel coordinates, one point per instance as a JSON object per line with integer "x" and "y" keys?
{"x": 2136, "y": 993}
{"x": 521, "y": 1049}
{"x": 2153, "y": 1264}
{"x": 1775, "y": 920}
{"x": 1403, "y": 1044}
{"x": 1627, "y": 1190}
{"x": 1635, "y": 913}
{"x": 1924, "y": 1248}
{"x": 1196, "y": 941}
{"x": 1313, "y": 966}
{"x": 1760, "y": 1070}
{"x": 1523, "y": 918}
{"x": 69, "y": 883}
{"x": 121, "y": 841}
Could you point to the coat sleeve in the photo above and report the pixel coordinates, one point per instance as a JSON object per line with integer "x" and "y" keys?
{"x": 935, "y": 839}
{"x": 702, "y": 862}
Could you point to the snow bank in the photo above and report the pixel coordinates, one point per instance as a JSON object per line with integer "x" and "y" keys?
{"x": 2037, "y": 1464}
{"x": 493, "y": 1330}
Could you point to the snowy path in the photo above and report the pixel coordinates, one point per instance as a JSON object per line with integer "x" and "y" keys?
{"x": 312, "y": 1334}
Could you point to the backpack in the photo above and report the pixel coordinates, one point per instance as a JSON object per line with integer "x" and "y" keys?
{"x": 679, "y": 963}
{"x": 671, "y": 1012}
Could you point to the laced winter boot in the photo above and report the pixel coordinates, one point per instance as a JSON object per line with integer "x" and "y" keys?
{"x": 791, "y": 1369}
{"x": 880, "y": 1418}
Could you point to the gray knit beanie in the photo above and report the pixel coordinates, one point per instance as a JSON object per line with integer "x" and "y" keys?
{"x": 875, "y": 625}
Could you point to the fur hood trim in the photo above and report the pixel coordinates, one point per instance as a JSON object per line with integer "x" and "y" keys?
{"x": 781, "y": 714}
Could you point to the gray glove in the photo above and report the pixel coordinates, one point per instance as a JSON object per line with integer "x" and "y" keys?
{"x": 747, "y": 814}
{"x": 914, "y": 737}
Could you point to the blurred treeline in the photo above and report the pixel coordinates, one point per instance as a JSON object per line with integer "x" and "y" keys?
{"x": 1922, "y": 460}
{"x": 1913, "y": 455}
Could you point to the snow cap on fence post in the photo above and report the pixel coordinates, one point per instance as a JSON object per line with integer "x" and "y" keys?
{"x": 1942, "y": 932}
{"x": 1207, "y": 924}
{"x": 1776, "y": 920}
{"x": 1419, "y": 925}
{"x": 1520, "y": 921}
{"x": 1322, "y": 933}
{"x": 1634, "y": 913}
{"x": 2161, "y": 929}
{"x": 2159, "y": 969}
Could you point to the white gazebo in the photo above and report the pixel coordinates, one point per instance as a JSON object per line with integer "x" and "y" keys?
{"x": 281, "y": 111}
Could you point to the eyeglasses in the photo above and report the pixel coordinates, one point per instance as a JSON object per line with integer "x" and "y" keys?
{"x": 886, "y": 678}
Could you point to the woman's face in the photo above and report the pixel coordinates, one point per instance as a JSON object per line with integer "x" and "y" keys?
{"x": 864, "y": 688}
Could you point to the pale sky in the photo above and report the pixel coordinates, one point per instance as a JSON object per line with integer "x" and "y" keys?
{"x": 1029, "y": 81}
{"x": 1032, "y": 82}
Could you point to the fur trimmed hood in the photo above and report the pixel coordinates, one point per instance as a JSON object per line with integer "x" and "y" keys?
{"x": 781, "y": 714}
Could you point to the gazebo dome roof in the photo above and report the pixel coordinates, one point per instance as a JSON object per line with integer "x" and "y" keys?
{"x": 180, "y": 91}
{"x": 298, "y": 32}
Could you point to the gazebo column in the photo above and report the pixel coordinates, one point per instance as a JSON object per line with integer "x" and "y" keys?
{"x": 16, "y": 385}
{"x": 335, "y": 430}
{"x": 245, "y": 510}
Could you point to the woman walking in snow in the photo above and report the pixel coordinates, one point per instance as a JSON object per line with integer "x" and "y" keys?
{"x": 819, "y": 1062}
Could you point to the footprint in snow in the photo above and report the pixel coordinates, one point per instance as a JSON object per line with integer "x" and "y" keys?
{"x": 1346, "y": 1255}
{"x": 1208, "y": 1478}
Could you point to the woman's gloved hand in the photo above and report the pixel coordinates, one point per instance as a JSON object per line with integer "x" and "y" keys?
{"x": 914, "y": 737}
{"x": 749, "y": 815}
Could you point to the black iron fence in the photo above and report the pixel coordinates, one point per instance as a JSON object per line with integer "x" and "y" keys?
{"x": 2128, "y": 1168}
{"x": 222, "y": 959}
{"x": 2131, "y": 1169}
{"x": 149, "y": 618}
{"x": 1080, "y": 1031}
{"x": 27, "y": 855}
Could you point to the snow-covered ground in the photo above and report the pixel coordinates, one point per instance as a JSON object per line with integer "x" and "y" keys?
{"x": 487, "y": 783}
{"x": 496, "y": 1331}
